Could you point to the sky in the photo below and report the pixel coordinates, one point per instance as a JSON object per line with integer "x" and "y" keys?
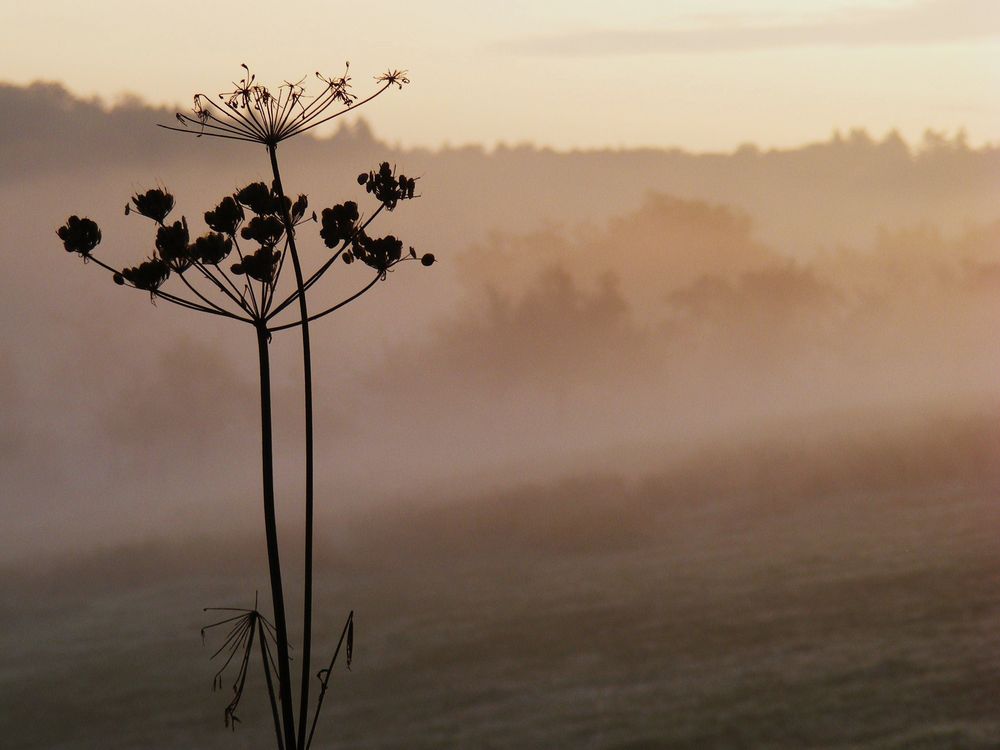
{"x": 705, "y": 76}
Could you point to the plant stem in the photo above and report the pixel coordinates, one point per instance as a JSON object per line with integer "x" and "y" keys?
{"x": 325, "y": 679}
{"x": 271, "y": 533}
{"x": 307, "y": 583}
{"x": 270, "y": 685}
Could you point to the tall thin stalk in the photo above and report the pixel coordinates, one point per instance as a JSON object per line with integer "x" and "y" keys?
{"x": 307, "y": 390}
{"x": 271, "y": 534}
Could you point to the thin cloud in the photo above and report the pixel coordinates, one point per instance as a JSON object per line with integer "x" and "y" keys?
{"x": 922, "y": 22}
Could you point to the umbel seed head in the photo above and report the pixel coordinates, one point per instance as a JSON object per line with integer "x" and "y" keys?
{"x": 260, "y": 211}
{"x": 148, "y": 275}
{"x": 259, "y": 198}
{"x": 338, "y": 223}
{"x": 266, "y": 230}
{"x": 259, "y": 265}
{"x": 172, "y": 245}
{"x": 299, "y": 208}
{"x": 387, "y": 187}
{"x": 226, "y": 217}
{"x": 79, "y": 235}
{"x": 378, "y": 252}
{"x": 154, "y": 204}
{"x": 251, "y": 112}
{"x": 211, "y": 249}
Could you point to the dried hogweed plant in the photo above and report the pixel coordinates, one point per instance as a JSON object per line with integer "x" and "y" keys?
{"x": 235, "y": 270}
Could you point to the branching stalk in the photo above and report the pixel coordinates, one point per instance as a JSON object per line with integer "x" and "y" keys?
{"x": 252, "y": 113}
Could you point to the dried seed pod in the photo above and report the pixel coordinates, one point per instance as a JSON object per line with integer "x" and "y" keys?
{"x": 258, "y": 198}
{"x": 148, "y": 275}
{"x": 225, "y": 217}
{"x": 172, "y": 245}
{"x": 154, "y": 204}
{"x": 79, "y": 235}
{"x": 299, "y": 207}
{"x": 338, "y": 223}
{"x": 211, "y": 248}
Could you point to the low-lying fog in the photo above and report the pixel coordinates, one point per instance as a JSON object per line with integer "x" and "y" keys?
{"x": 595, "y": 327}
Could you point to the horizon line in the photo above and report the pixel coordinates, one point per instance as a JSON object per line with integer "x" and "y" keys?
{"x": 929, "y": 138}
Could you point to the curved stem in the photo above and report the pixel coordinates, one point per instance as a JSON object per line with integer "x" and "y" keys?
{"x": 181, "y": 302}
{"x": 249, "y": 283}
{"x": 200, "y": 296}
{"x": 224, "y": 127}
{"x": 325, "y": 267}
{"x": 344, "y": 111}
{"x": 268, "y": 299}
{"x": 211, "y": 135}
{"x": 233, "y": 114}
{"x": 238, "y": 299}
{"x": 327, "y": 311}
{"x": 307, "y": 583}
{"x": 291, "y": 100}
{"x": 271, "y": 533}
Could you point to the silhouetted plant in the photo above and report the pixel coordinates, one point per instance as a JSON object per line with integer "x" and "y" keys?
{"x": 266, "y": 219}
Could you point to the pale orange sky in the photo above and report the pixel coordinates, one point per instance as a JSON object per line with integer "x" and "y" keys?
{"x": 705, "y": 75}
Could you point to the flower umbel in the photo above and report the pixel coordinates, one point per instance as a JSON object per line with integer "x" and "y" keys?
{"x": 387, "y": 187}
{"x": 154, "y": 204}
{"x": 251, "y": 112}
{"x": 79, "y": 235}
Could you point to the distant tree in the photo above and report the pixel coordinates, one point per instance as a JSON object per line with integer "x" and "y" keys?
{"x": 235, "y": 270}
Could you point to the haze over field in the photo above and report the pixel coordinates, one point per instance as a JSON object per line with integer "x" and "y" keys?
{"x": 626, "y": 309}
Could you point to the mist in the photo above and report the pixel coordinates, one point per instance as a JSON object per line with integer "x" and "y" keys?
{"x": 626, "y": 310}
